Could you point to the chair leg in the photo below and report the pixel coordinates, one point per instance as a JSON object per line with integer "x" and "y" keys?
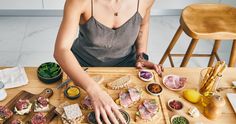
{"x": 171, "y": 45}
{"x": 232, "y": 60}
{"x": 189, "y": 52}
{"x": 213, "y": 53}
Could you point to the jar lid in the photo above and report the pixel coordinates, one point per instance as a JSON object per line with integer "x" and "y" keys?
{"x": 1, "y": 85}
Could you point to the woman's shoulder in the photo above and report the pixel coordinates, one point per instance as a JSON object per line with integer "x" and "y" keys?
{"x": 147, "y": 3}
{"x": 78, "y": 3}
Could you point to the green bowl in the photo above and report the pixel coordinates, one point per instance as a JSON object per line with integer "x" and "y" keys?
{"x": 51, "y": 79}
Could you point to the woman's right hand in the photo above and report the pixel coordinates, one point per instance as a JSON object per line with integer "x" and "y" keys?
{"x": 105, "y": 107}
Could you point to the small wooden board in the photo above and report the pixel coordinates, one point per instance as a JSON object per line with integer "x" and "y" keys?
{"x": 111, "y": 75}
{"x": 47, "y": 93}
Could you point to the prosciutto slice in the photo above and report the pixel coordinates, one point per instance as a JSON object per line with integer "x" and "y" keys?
{"x": 134, "y": 93}
{"x": 86, "y": 103}
{"x": 38, "y": 119}
{"x": 144, "y": 113}
{"x": 151, "y": 105}
{"x": 147, "y": 109}
{"x": 175, "y": 82}
{"x": 125, "y": 99}
{"x": 22, "y": 104}
{"x": 5, "y": 113}
{"x": 43, "y": 102}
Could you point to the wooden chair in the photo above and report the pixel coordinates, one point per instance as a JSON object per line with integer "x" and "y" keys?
{"x": 205, "y": 21}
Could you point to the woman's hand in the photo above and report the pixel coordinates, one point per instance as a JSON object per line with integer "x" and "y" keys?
{"x": 105, "y": 107}
{"x": 144, "y": 63}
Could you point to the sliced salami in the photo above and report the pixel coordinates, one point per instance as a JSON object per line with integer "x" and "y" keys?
{"x": 5, "y": 113}
{"x": 38, "y": 119}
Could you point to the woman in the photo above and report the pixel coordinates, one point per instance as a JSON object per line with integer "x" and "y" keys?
{"x": 112, "y": 33}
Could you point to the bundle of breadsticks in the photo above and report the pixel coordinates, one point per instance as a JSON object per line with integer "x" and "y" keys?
{"x": 210, "y": 80}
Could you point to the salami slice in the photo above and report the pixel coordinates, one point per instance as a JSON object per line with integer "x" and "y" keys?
{"x": 38, "y": 119}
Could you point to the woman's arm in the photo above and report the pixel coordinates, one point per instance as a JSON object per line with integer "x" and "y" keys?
{"x": 66, "y": 35}
{"x": 103, "y": 104}
{"x": 142, "y": 40}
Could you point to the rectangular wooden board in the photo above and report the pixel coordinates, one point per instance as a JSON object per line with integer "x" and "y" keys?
{"x": 111, "y": 75}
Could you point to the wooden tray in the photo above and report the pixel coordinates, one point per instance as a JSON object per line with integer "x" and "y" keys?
{"x": 32, "y": 97}
{"x": 112, "y": 74}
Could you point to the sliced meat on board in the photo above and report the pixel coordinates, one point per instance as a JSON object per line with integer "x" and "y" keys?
{"x": 135, "y": 94}
{"x": 125, "y": 99}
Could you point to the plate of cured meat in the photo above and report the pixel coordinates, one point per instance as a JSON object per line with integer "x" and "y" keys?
{"x": 174, "y": 82}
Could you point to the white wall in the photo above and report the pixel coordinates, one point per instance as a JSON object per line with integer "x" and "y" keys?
{"x": 230, "y": 2}
{"x": 53, "y": 4}
{"x": 21, "y": 4}
{"x": 160, "y": 7}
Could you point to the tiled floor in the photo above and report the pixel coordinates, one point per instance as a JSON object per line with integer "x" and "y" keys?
{"x": 29, "y": 41}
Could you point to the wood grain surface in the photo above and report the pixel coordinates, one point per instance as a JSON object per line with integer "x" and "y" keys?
{"x": 228, "y": 117}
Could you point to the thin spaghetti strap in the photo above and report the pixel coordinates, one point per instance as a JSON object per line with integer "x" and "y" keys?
{"x": 91, "y": 7}
{"x": 137, "y": 5}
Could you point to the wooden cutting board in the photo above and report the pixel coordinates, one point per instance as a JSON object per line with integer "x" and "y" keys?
{"x": 47, "y": 93}
{"x": 111, "y": 75}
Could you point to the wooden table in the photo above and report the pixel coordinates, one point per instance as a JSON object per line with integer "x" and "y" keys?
{"x": 228, "y": 116}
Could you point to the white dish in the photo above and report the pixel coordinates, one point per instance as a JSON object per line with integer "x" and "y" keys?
{"x": 171, "y": 88}
{"x": 154, "y": 94}
{"x": 139, "y": 75}
{"x": 175, "y": 116}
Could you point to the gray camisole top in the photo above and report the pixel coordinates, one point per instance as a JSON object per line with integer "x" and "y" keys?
{"x": 99, "y": 45}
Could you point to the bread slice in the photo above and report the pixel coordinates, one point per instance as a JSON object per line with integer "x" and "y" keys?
{"x": 119, "y": 83}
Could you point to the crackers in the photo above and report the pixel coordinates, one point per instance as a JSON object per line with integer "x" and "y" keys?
{"x": 70, "y": 114}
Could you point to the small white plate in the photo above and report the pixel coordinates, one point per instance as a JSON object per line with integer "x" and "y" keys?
{"x": 174, "y": 116}
{"x": 154, "y": 94}
{"x": 139, "y": 75}
{"x": 164, "y": 82}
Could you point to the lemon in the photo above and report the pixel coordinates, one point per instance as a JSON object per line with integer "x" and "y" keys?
{"x": 192, "y": 95}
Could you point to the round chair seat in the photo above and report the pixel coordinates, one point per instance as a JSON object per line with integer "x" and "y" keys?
{"x": 209, "y": 21}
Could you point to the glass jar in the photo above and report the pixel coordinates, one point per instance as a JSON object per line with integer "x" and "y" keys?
{"x": 208, "y": 86}
{"x": 3, "y": 93}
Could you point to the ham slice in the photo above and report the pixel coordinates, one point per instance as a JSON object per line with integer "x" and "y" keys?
{"x": 125, "y": 99}
{"x": 175, "y": 82}
{"x": 22, "y": 104}
{"x": 38, "y": 119}
{"x": 135, "y": 94}
{"x": 43, "y": 102}
{"x": 144, "y": 113}
{"x": 151, "y": 105}
{"x": 86, "y": 103}
{"x": 147, "y": 109}
{"x": 5, "y": 113}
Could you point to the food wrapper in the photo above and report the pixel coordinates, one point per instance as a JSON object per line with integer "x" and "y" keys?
{"x": 13, "y": 77}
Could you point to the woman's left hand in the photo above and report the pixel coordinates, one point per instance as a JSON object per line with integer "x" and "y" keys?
{"x": 144, "y": 63}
